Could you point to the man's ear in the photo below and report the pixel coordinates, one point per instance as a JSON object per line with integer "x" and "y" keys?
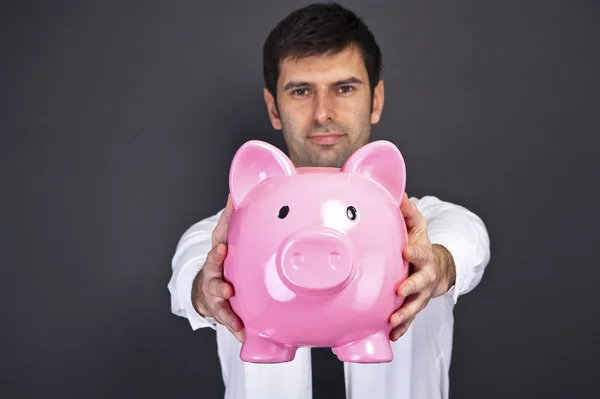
{"x": 378, "y": 98}
{"x": 272, "y": 109}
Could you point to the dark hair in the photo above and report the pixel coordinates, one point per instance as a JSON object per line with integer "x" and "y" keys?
{"x": 321, "y": 28}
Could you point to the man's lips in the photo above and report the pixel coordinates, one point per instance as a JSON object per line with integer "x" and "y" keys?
{"x": 326, "y": 138}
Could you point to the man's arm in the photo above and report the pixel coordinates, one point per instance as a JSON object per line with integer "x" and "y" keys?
{"x": 190, "y": 254}
{"x": 463, "y": 234}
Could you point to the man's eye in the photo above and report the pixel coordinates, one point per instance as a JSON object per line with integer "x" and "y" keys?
{"x": 346, "y": 89}
{"x": 300, "y": 92}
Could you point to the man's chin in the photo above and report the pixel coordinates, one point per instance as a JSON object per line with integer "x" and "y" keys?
{"x": 330, "y": 157}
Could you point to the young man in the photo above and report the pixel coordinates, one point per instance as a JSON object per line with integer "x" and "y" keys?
{"x": 321, "y": 69}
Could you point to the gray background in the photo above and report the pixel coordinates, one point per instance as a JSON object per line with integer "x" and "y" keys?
{"x": 118, "y": 123}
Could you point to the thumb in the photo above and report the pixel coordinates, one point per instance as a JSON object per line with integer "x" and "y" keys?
{"x": 415, "y": 221}
{"x": 219, "y": 234}
{"x": 215, "y": 258}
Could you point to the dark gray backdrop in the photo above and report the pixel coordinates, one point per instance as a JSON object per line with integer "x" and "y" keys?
{"x": 118, "y": 124}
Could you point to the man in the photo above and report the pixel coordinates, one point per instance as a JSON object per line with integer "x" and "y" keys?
{"x": 323, "y": 91}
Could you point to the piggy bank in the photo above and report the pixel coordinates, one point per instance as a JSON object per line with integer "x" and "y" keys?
{"x": 315, "y": 253}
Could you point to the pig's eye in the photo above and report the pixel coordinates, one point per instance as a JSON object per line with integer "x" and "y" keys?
{"x": 351, "y": 212}
{"x": 283, "y": 212}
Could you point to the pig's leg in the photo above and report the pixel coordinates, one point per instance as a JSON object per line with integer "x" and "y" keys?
{"x": 258, "y": 349}
{"x": 375, "y": 348}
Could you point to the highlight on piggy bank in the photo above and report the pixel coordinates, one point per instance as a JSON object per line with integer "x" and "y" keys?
{"x": 315, "y": 253}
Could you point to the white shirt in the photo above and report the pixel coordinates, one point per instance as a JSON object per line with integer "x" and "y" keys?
{"x": 420, "y": 369}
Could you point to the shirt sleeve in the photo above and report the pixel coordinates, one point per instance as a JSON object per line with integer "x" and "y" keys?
{"x": 190, "y": 254}
{"x": 463, "y": 234}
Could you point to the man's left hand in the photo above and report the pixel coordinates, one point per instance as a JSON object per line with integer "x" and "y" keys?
{"x": 432, "y": 270}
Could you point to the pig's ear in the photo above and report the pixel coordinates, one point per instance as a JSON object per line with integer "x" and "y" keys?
{"x": 254, "y": 162}
{"x": 382, "y": 162}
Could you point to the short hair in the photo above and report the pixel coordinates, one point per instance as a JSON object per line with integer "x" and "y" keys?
{"x": 320, "y": 28}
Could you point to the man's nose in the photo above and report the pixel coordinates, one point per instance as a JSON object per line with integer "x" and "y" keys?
{"x": 324, "y": 108}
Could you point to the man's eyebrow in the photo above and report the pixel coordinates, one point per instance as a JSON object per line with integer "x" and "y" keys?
{"x": 297, "y": 84}
{"x": 350, "y": 80}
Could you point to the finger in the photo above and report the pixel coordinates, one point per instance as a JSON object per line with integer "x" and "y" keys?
{"x": 225, "y": 315}
{"x": 418, "y": 254}
{"x": 219, "y": 234}
{"x": 412, "y": 217}
{"x": 220, "y": 288}
{"x": 403, "y": 314}
{"x": 400, "y": 330}
{"x": 417, "y": 282}
{"x": 215, "y": 258}
{"x": 240, "y": 335}
{"x": 409, "y": 309}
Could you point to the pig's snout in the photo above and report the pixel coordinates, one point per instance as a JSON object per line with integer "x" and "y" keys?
{"x": 316, "y": 261}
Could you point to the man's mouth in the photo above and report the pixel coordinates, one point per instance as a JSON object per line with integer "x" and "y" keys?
{"x": 326, "y": 138}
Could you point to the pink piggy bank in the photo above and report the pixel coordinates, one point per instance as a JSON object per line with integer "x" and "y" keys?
{"x": 315, "y": 254}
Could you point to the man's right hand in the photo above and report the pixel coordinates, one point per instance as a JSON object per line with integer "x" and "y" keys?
{"x": 210, "y": 292}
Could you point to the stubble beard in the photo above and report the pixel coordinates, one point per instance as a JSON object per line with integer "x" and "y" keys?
{"x": 331, "y": 157}
{"x": 306, "y": 154}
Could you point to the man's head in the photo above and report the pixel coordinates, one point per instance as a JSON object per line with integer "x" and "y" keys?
{"x": 321, "y": 68}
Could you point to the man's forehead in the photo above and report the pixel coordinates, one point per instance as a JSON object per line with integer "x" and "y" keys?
{"x": 323, "y": 67}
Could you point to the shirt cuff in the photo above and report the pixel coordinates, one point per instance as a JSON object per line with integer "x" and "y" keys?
{"x": 462, "y": 254}
{"x": 185, "y": 281}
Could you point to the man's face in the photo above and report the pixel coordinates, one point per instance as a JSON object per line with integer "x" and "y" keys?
{"x": 324, "y": 107}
